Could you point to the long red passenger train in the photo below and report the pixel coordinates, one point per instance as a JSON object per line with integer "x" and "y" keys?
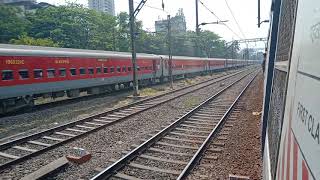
{"x": 29, "y": 72}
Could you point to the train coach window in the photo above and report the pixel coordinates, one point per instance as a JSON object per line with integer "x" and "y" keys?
{"x": 7, "y": 75}
{"x": 112, "y": 69}
{"x": 62, "y": 72}
{"x": 124, "y": 69}
{"x": 51, "y": 73}
{"x": 91, "y": 71}
{"x": 105, "y": 70}
{"x": 129, "y": 69}
{"x": 37, "y": 74}
{"x": 118, "y": 69}
{"x": 82, "y": 71}
{"x": 24, "y": 74}
{"x": 98, "y": 70}
{"x": 73, "y": 71}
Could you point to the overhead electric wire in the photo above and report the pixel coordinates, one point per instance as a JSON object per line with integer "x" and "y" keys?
{"x": 140, "y": 6}
{"x": 152, "y": 7}
{"x": 218, "y": 18}
{"x": 235, "y": 19}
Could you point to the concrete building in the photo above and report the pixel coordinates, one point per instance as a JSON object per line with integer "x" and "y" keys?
{"x": 178, "y": 24}
{"x": 103, "y": 6}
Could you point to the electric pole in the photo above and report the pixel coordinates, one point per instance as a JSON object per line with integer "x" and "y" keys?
{"x": 247, "y": 57}
{"x": 232, "y": 50}
{"x": 133, "y": 49}
{"x": 259, "y": 14}
{"x": 197, "y": 29}
{"x": 114, "y": 39}
{"x": 170, "y": 52}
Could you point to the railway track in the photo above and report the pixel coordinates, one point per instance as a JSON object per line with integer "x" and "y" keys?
{"x": 174, "y": 151}
{"x": 42, "y": 106}
{"x": 18, "y": 150}
{"x": 210, "y": 157}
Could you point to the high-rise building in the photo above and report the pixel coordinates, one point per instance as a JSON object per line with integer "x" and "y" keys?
{"x": 15, "y": 1}
{"x": 103, "y": 5}
{"x": 178, "y": 24}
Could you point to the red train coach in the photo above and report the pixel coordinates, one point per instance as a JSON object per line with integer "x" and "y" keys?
{"x": 32, "y": 72}
{"x": 29, "y": 72}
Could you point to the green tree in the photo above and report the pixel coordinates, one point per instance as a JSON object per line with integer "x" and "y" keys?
{"x": 26, "y": 40}
{"x": 184, "y": 44}
{"x": 232, "y": 50}
{"x": 152, "y": 43}
{"x": 12, "y": 23}
{"x": 123, "y": 33}
{"x": 74, "y": 26}
{"x": 208, "y": 41}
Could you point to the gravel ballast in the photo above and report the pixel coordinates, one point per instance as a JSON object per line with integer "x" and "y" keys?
{"x": 241, "y": 154}
{"x": 111, "y": 141}
{"x": 28, "y": 123}
{"x": 188, "y": 148}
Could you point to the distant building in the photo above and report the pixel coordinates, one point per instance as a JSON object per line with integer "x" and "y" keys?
{"x": 15, "y": 1}
{"x": 178, "y": 24}
{"x": 106, "y": 6}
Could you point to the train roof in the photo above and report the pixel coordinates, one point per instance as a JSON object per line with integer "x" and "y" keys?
{"x": 200, "y": 58}
{"x": 25, "y": 50}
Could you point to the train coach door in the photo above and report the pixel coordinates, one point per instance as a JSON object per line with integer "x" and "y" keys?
{"x": 154, "y": 68}
{"x": 206, "y": 69}
{"x": 166, "y": 67}
{"x": 208, "y": 66}
{"x": 161, "y": 69}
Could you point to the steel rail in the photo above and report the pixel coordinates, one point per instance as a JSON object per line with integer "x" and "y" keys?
{"x": 116, "y": 166}
{"x": 48, "y": 105}
{"x": 12, "y": 143}
{"x": 197, "y": 156}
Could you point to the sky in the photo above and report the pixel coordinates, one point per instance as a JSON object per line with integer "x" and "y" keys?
{"x": 244, "y": 11}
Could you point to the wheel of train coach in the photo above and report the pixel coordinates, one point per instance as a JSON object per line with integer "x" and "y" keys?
{"x": 122, "y": 86}
{"x": 13, "y": 104}
{"x": 117, "y": 87}
{"x": 29, "y": 103}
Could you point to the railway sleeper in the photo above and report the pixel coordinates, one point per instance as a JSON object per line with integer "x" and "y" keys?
{"x": 196, "y": 127}
{"x": 149, "y": 157}
{"x": 144, "y": 167}
{"x": 183, "y": 140}
{"x": 125, "y": 176}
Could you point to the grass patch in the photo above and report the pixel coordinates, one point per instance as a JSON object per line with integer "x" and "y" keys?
{"x": 192, "y": 101}
{"x": 149, "y": 92}
{"x": 123, "y": 103}
{"x": 189, "y": 81}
